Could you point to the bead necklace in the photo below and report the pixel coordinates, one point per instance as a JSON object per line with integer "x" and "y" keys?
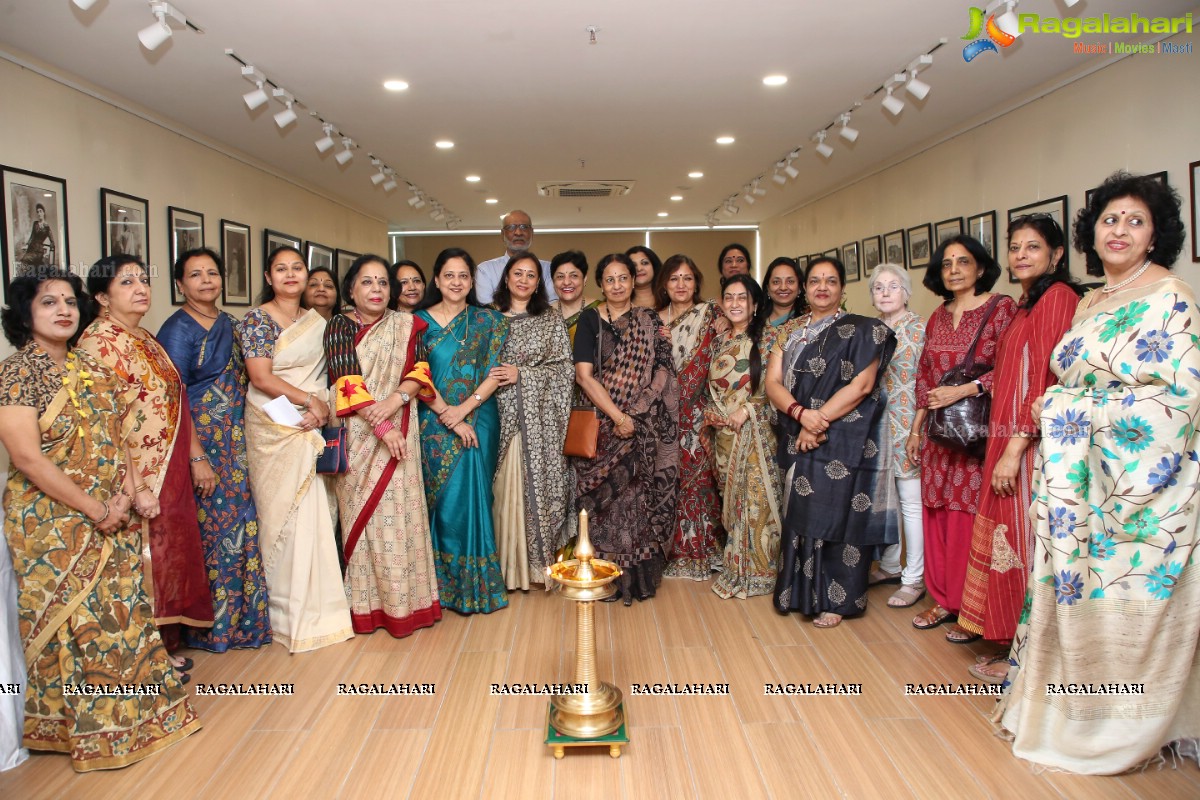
{"x": 1127, "y": 281}
{"x": 200, "y": 313}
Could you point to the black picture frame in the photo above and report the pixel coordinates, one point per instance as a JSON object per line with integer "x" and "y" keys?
{"x": 946, "y": 229}
{"x": 983, "y": 228}
{"x": 894, "y": 251}
{"x": 342, "y": 261}
{"x": 850, "y": 262}
{"x": 185, "y": 231}
{"x": 1194, "y": 179}
{"x": 872, "y": 253}
{"x": 124, "y": 228}
{"x": 21, "y": 193}
{"x": 237, "y": 289}
{"x": 1058, "y": 210}
{"x": 273, "y": 239}
{"x": 1087, "y": 196}
{"x": 920, "y": 246}
{"x": 318, "y": 255}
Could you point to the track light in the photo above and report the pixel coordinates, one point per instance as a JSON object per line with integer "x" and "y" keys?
{"x": 343, "y": 157}
{"x": 847, "y": 133}
{"x": 758, "y": 190}
{"x": 893, "y": 104}
{"x": 153, "y": 36}
{"x": 84, "y": 5}
{"x": 1007, "y": 21}
{"x": 791, "y": 171}
{"x": 379, "y": 177}
{"x": 915, "y": 86}
{"x": 390, "y": 184}
{"x": 254, "y": 98}
{"x": 779, "y": 178}
{"x": 824, "y": 150}
{"x": 287, "y": 116}
{"x": 325, "y": 143}
{"x": 1070, "y": 3}
{"x": 416, "y": 202}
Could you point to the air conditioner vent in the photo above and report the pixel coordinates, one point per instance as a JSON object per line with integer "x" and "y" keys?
{"x": 576, "y": 189}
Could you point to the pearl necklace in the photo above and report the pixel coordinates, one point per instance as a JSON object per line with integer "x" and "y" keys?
{"x": 1127, "y": 281}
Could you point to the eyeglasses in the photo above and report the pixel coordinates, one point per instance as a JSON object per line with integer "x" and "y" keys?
{"x": 515, "y": 228}
{"x": 881, "y": 288}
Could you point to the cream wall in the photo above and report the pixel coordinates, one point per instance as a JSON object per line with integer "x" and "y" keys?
{"x": 1141, "y": 114}
{"x": 91, "y": 143}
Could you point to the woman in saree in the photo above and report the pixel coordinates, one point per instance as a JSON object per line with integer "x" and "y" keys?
{"x": 536, "y": 377}
{"x": 783, "y": 287}
{"x": 744, "y": 444}
{"x": 623, "y": 365}
{"x": 460, "y": 435}
{"x": 202, "y": 343}
{"x": 694, "y": 550}
{"x": 1114, "y": 595}
{"x": 285, "y": 357}
{"x": 647, "y": 267}
{"x": 998, "y": 562}
{"x": 371, "y": 351}
{"x": 321, "y": 293}
{"x": 408, "y": 286}
{"x": 569, "y": 272}
{"x": 824, "y": 378}
{"x": 167, "y": 458}
{"x": 84, "y": 617}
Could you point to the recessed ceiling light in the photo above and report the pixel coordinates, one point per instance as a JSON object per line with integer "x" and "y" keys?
{"x": 725, "y": 140}
{"x": 395, "y": 86}
{"x": 775, "y": 80}
{"x": 676, "y": 197}
{"x": 662, "y": 213}
{"x": 491, "y": 201}
{"x": 473, "y": 179}
{"x": 444, "y": 144}
{"x": 696, "y": 174}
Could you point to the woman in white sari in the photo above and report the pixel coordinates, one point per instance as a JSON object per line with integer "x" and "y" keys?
{"x": 285, "y": 356}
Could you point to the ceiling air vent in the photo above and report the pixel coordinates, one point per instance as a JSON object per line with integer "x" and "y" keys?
{"x": 574, "y": 189}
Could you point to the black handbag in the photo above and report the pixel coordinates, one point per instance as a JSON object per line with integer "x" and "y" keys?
{"x": 335, "y": 458}
{"x": 963, "y": 426}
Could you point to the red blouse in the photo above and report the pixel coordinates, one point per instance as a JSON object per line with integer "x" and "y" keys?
{"x": 950, "y": 479}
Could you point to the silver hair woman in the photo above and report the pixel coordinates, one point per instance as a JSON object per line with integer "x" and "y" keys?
{"x": 890, "y": 292}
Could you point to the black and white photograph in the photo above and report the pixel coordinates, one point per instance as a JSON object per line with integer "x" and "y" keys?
{"x": 872, "y": 253}
{"x": 342, "y": 262}
{"x": 948, "y": 228}
{"x": 983, "y": 227}
{"x": 235, "y": 250}
{"x": 123, "y": 228}
{"x": 1161, "y": 176}
{"x": 273, "y": 239}
{"x": 850, "y": 260}
{"x": 318, "y": 255}
{"x": 35, "y": 222}
{"x": 919, "y": 246}
{"x": 186, "y": 230}
{"x": 1194, "y": 177}
{"x": 833, "y": 253}
{"x": 1054, "y": 207}
{"x": 893, "y": 248}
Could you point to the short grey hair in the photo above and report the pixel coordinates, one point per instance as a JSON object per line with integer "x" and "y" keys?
{"x": 901, "y": 275}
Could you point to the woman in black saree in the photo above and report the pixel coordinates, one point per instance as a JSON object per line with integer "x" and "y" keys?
{"x": 824, "y": 378}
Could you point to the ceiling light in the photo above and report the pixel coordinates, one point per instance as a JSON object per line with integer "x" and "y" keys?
{"x": 491, "y": 201}
{"x": 343, "y": 157}
{"x": 893, "y": 104}
{"x": 1007, "y": 21}
{"x": 775, "y": 80}
{"x": 747, "y": 195}
{"x": 847, "y": 133}
{"x": 395, "y": 86}
{"x": 662, "y": 213}
{"x": 1070, "y": 3}
{"x": 779, "y": 178}
{"x": 823, "y": 149}
{"x": 791, "y": 171}
{"x": 153, "y": 36}
{"x": 725, "y": 140}
{"x": 287, "y": 116}
{"x": 731, "y": 208}
{"x": 676, "y": 197}
{"x": 758, "y": 190}
{"x": 473, "y": 179}
{"x": 255, "y": 98}
{"x": 415, "y": 201}
{"x": 696, "y": 174}
{"x": 325, "y": 143}
{"x": 917, "y": 87}
{"x": 444, "y": 144}
{"x": 84, "y": 5}
{"x": 379, "y": 176}
{"x": 390, "y": 185}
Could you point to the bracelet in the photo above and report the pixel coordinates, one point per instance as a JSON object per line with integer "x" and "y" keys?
{"x": 198, "y": 459}
{"x": 792, "y": 408}
{"x": 1023, "y": 435}
{"x": 140, "y": 487}
{"x": 308, "y": 400}
{"x": 106, "y": 512}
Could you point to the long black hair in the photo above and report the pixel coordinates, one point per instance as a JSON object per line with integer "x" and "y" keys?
{"x": 102, "y": 273}
{"x": 433, "y": 295}
{"x": 1045, "y": 226}
{"x": 502, "y": 298}
{"x": 1165, "y": 212}
{"x": 268, "y": 291}
{"x": 757, "y": 322}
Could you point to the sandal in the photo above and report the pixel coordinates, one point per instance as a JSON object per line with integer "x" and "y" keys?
{"x": 960, "y": 635}
{"x": 881, "y": 575}
{"x": 990, "y": 669}
{"x": 185, "y": 666}
{"x": 907, "y": 596}
{"x": 827, "y": 620}
{"x": 932, "y": 617}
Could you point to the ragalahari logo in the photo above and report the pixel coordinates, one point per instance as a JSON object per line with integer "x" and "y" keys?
{"x": 995, "y": 36}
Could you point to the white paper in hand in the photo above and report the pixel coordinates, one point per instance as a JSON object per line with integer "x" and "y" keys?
{"x": 282, "y": 412}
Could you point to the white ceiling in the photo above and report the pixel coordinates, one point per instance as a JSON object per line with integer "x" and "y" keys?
{"x": 525, "y": 96}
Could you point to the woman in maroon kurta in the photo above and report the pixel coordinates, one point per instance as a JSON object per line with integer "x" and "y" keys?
{"x": 998, "y": 563}
{"x": 950, "y": 480}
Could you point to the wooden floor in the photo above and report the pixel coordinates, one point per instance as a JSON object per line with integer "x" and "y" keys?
{"x": 464, "y": 743}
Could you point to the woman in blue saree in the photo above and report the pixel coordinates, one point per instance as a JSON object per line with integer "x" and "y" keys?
{"x": 201, "y": 341}
{"x": 460, "y": 435}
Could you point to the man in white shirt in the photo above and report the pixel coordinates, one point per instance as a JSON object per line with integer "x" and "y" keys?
{"x": 516, "y": 229}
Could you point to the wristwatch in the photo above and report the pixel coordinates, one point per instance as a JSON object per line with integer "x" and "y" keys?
{"x": 405, "y": 397}
{"x": 478, "y": 398}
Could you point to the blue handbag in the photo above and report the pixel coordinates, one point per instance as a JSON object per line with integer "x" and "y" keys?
{"x": 335, "y": 458}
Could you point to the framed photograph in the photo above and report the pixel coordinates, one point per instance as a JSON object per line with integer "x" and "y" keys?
{"x": 802, "y": 263}
{"x": 850, "y": 259}
{"x": 833, "y": 253}
{"x": 813, "y": 257}
{"x": 983, "y": 227}
{"x": 1055, "y": 207}
{"x": 185, "y": 230}
{"x": 1194, "y": 176}
{"x": 920, "y": 248}
{"x": 318, "y": 255}
{"x": 893, "y": 248}
{"x": 235, "y": 250}
{"x": 35, "y": 223}
{"x": 1087, "y": 196}
{"x": 123, "y": 229}
{"x": 273, "y": 239}
{"x": 342, "y": 261}
{"x": 872, "y": 253}
{"x": 947, "y": 228}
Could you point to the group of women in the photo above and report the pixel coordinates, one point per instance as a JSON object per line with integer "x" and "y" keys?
{"x": 164, "y": 490}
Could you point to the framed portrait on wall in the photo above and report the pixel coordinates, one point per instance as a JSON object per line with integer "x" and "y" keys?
{"x": 1194, "y": 178}
{"x": 948, "y": 228}
{"x": 342, "y": 261}
{"x": 920, "y": 248}
{"x": 1161, "y": 177}
{"x": 186, "y": 232}
{"x": 893, "y": 248}
{"x": 123, "y": 228}
{"x": 850, "y": 260}
{"x": 35, "y": 223}
{"x": 833, "y": 253}
{"x": 318, "y": 255}
{"x": 235, "y": 250}
{"x": 872, "y": 253}
{"x": 983, "y": 227}
{"x": 273, "y": 239}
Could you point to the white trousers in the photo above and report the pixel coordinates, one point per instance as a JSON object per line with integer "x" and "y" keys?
{"x": 909, "y": 491}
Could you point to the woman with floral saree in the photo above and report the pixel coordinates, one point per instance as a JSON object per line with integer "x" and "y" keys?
{"x": 390, "y": 578}
{"x": 86, "y": 624}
